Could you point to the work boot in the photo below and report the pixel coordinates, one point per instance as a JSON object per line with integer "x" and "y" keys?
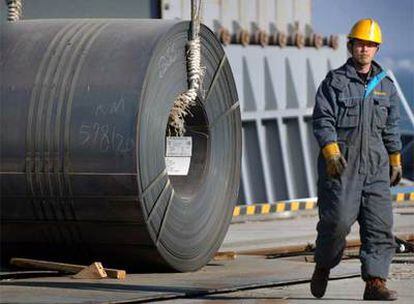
{"x": 319, "y": 281}
{"x": 375, "y": 289}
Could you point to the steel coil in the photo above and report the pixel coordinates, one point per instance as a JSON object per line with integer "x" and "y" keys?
{"x": 84, "y": 112}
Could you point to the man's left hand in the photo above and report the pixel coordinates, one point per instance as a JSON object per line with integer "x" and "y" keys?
{"x": 395, "y": 175}
{"x": 395, "y": 168}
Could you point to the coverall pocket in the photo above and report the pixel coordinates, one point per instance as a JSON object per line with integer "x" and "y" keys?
{"x": 348, "y": 113}
{"x": 381, "y": 107}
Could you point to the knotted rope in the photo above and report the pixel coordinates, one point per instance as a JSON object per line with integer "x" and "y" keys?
{"x": 195, "y": 72}
{"x": 14, "y": 10}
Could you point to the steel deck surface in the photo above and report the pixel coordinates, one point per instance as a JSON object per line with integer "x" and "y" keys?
{"x": 218, "y": 276}
{"x": 243, "y": 272}
{"x": 342, "y": 291}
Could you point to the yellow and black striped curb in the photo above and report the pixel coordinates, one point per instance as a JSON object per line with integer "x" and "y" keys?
{"x": 403, "y": 197}
{"x": 299, "y": 205}
{"x": 274, "y": 207}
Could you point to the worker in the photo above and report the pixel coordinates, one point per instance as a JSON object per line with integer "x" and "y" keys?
{"x": 355, "y": 121}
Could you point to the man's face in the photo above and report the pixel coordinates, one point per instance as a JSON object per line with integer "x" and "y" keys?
{"x": 363, "y": 52}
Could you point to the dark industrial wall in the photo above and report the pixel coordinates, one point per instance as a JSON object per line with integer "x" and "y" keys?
{"x": 40, "y": 9}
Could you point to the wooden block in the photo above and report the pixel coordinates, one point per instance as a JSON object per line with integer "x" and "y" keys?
{"x": 225, "y": 255}
{"x": 63, "y": 267}
{"x": 116, "y": 273}
{"x": 93, "y": 271}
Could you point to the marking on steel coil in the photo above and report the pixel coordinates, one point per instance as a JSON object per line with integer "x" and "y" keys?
{"x": 75, "y": 65}
{"x": 165, "y": 61}
{"x": 111, "y": 109}
{"x": 104, "y": 138}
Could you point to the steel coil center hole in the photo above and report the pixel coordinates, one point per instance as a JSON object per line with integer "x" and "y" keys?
{"x": 196, "y": 125}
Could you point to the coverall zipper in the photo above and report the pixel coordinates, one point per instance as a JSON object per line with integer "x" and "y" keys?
{"x": 362, "y": 119}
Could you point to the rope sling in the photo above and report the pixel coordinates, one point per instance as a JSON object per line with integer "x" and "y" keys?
{"x": 195, "y": 72}
{"x": 14, "y": 10}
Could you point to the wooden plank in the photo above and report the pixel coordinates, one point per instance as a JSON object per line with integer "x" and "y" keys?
{"x": 63, "y": 267}
{"x": 225, "y": 255}
{"x": 309, "y": 247}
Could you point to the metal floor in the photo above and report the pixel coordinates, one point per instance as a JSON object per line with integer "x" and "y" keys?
{"x": 245, "y": 272}
{"x": 342, "y": 291}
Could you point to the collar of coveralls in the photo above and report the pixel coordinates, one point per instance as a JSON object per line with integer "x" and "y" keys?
{"x": 351, "y": 72}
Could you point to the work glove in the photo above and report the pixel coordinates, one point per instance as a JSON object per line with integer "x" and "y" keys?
{"x": 395, "y": 168}
{"x": 335, "y": 162}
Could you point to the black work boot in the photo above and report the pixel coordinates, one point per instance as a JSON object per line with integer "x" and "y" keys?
{"x": 319, "y": 281}
{"x": 375, "y": 289}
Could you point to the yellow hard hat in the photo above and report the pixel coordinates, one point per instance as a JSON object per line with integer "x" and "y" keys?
{"x": 366, "y": 29}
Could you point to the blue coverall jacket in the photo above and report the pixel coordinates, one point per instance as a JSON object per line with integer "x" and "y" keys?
{"x": 364, "y": 122}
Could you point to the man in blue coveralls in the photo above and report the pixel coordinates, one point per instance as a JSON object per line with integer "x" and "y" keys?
{"x": 355, "y": 121}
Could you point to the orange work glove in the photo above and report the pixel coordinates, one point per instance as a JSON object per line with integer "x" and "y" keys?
{"x": 335, "y": 162}
{"x": 395, "y": 168}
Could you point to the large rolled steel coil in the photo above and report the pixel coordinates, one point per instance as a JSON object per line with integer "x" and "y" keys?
{"x": 84, "y": 112}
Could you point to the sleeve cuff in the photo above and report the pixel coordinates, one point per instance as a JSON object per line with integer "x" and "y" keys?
{"x": 395, "y": 159}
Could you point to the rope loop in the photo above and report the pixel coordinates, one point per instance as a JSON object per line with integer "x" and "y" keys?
{"x": 195, "y": 73}
{"x": 14, "y": 10}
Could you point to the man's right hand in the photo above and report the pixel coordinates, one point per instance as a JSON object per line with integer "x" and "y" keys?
{"x": 335, "y": 161}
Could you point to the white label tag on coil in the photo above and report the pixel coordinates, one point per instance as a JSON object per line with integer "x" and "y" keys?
{"x": 177, "y": 165}
{"x": 179, "y": 146}
{"x": 178, "y": 155}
